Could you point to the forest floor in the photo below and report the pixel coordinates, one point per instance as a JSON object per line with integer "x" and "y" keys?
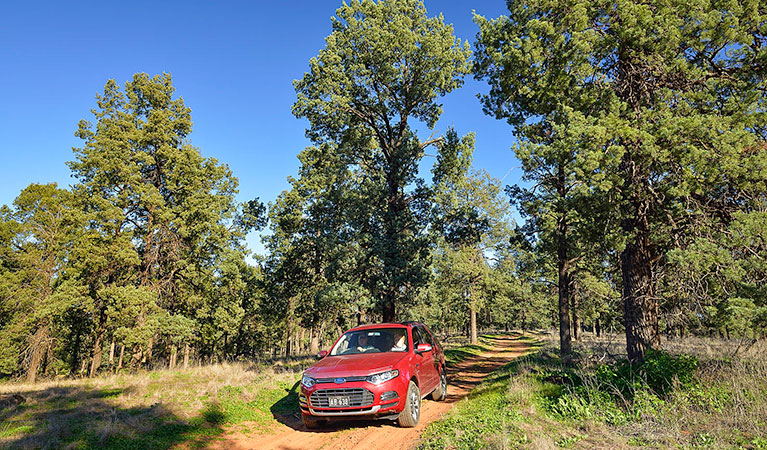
{"x": 465, "y": 374}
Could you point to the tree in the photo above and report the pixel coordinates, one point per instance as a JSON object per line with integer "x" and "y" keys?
{"x": 35, "y": 288}
{"x": 313, "y": 264}
{"x": 473, "y": 223}
{"x": 164, "y": 231}
{"x": 384, "y": 65}
{"x": 665, "y": 99}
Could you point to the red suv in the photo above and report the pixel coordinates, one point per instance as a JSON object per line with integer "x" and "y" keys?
{"x": 375, "y": 371}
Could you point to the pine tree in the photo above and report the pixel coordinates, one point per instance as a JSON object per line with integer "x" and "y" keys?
{"x": 384, "y": 66}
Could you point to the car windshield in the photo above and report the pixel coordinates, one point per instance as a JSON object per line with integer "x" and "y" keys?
{"x": 371, "y": 341}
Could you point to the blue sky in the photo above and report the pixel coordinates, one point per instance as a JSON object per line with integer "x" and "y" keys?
{"x": 232, "y": 62}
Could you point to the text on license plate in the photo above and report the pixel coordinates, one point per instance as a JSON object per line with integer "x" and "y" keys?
{"x": 338, "y": 401}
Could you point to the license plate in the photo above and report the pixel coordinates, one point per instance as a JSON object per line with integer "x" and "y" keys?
{"x": 338, "y": 401}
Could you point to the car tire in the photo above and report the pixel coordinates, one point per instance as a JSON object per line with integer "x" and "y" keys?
{"x": 409, "y": 416}
{"x": 311, "y": 422}
{"x": 440, "y": 393}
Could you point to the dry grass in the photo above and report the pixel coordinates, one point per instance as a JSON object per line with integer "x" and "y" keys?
{"x": 726, "y": 407}
{"x": 150, "y": 409}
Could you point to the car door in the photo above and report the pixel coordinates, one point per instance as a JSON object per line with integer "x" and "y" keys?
{"x": 433, "y": 355}
{"x": 425, "y": 361}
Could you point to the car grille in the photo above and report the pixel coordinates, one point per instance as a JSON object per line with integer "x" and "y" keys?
{"x": 357, "y": 397}
{"x": 346, "y": 379}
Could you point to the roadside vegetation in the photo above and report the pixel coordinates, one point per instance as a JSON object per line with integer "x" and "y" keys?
{"x": 157, "y": 409}
{"x": 148, "y": 410}
{"x": 693, "y": 394}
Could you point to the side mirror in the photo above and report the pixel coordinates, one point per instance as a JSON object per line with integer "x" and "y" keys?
{"x": 322, "y": 354}
{"x": 423, "y": 348}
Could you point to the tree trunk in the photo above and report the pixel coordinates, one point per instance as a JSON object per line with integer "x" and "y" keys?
{"x": 597, "y": 327}
{"x": 389, "y": 311}
{"x": 147, "y": 357}
{"x": 287, "y": 338}
{"x": 640, "y": 307}
{"x": 136, "y": 358}
{"x": 120, "y": 359}
{"x": 39, "y": 349}
{"x": 173, "y": 355}
{"x": 83, "y": 366}
{"x": 576, "y": 325}
{"x": 98, "y": 349}
{"x": 186, "y": 355}
{"x": 565, "y": 346}
{"x": 474, "y": 338}
{"x": 563, "y": 269}
{"x": 112, "y": 353}
{"x": 314, "y": 345}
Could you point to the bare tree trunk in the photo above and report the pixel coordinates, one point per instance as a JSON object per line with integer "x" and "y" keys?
{"x": 565, "y": 346}
{"x": 314, "y": 345}
{"x": 640, "y": 308}
{"x": 112, "y": 353}
{"x": 389, "y": 311}
{"x": 98, "y": 349}
{"x": 186, "y": 355}
{"x": 83, "y": 366}
{"x": 39, "y": 346}
{"x": 120, "y": 359}
{"x": 474, "y": 338}
{"x": 149, "y": 351}
{"x": 563, "y": 267}
{"x": 576, "y": 325}
{"x": 287, "y": 340}
{"x": 136, "y": 358}
{"x": 597, "y": 327}
{"x": 173, "y": 354}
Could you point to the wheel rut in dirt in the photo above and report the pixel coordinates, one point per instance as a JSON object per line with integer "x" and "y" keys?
{"x": 290, "y": 434}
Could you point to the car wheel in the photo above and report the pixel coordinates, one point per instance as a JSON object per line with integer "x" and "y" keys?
{"x": 440, "y": 393}
{"x": 312, "y": 423}
{"x": 409, "y": 416}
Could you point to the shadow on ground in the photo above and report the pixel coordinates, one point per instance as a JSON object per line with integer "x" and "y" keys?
{"x": 286, "y": 411}
{"x": 86, "y": 418}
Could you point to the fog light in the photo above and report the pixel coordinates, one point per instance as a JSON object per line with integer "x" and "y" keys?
{"x": 388, "y": 395}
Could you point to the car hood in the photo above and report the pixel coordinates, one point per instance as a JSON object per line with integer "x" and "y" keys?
{"x": 354, "y": 365}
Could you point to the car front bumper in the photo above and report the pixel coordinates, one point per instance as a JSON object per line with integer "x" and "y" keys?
{"x": 379, "y": 402}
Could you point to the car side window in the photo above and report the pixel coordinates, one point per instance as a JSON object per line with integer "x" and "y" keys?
{"x": 427, "y": 336}
{"x": 417, "y": 337}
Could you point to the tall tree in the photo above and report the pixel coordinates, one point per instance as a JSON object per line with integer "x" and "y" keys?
{"x": 35, "y": 288}
{"x": 384, "y": 65}
{"x": 665, "y": 97}
{"x": 164, "y": 228}
{"x": 473, "y": 223}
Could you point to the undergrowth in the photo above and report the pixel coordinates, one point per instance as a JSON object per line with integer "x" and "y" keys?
{"x": 670, "y": 400}
{"x": 154, "y": 410}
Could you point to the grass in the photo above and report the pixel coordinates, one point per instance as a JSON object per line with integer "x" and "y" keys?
{"x": 710, "y": 399}
{"x": 151, "y": 410}
{"x": 159, "y": 409}
{"x": 457, "y": 352}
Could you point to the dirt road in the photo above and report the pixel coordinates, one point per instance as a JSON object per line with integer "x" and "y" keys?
{"x": 291, "y": 435}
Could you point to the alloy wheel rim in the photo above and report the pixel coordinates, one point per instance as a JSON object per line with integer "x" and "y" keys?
{"x": 414, "y": 406}
{"x": 443, "y": 383}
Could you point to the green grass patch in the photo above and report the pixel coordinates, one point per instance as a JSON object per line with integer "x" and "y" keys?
{"x": 668, "y": 401}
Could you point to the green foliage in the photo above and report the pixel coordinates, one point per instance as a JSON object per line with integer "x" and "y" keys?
{"x": 136, "y": 254}
{"x": 654, "y": 112}
{"x": 659, "y": 372}
{"x": 385, "y": 64}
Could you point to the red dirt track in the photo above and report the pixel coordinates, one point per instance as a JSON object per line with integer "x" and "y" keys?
{"x": 290, "y": 434}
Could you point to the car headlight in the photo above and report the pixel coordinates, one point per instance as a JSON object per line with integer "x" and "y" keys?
{"x": 308, "y": 381}
{"x": 383, "y": 376}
